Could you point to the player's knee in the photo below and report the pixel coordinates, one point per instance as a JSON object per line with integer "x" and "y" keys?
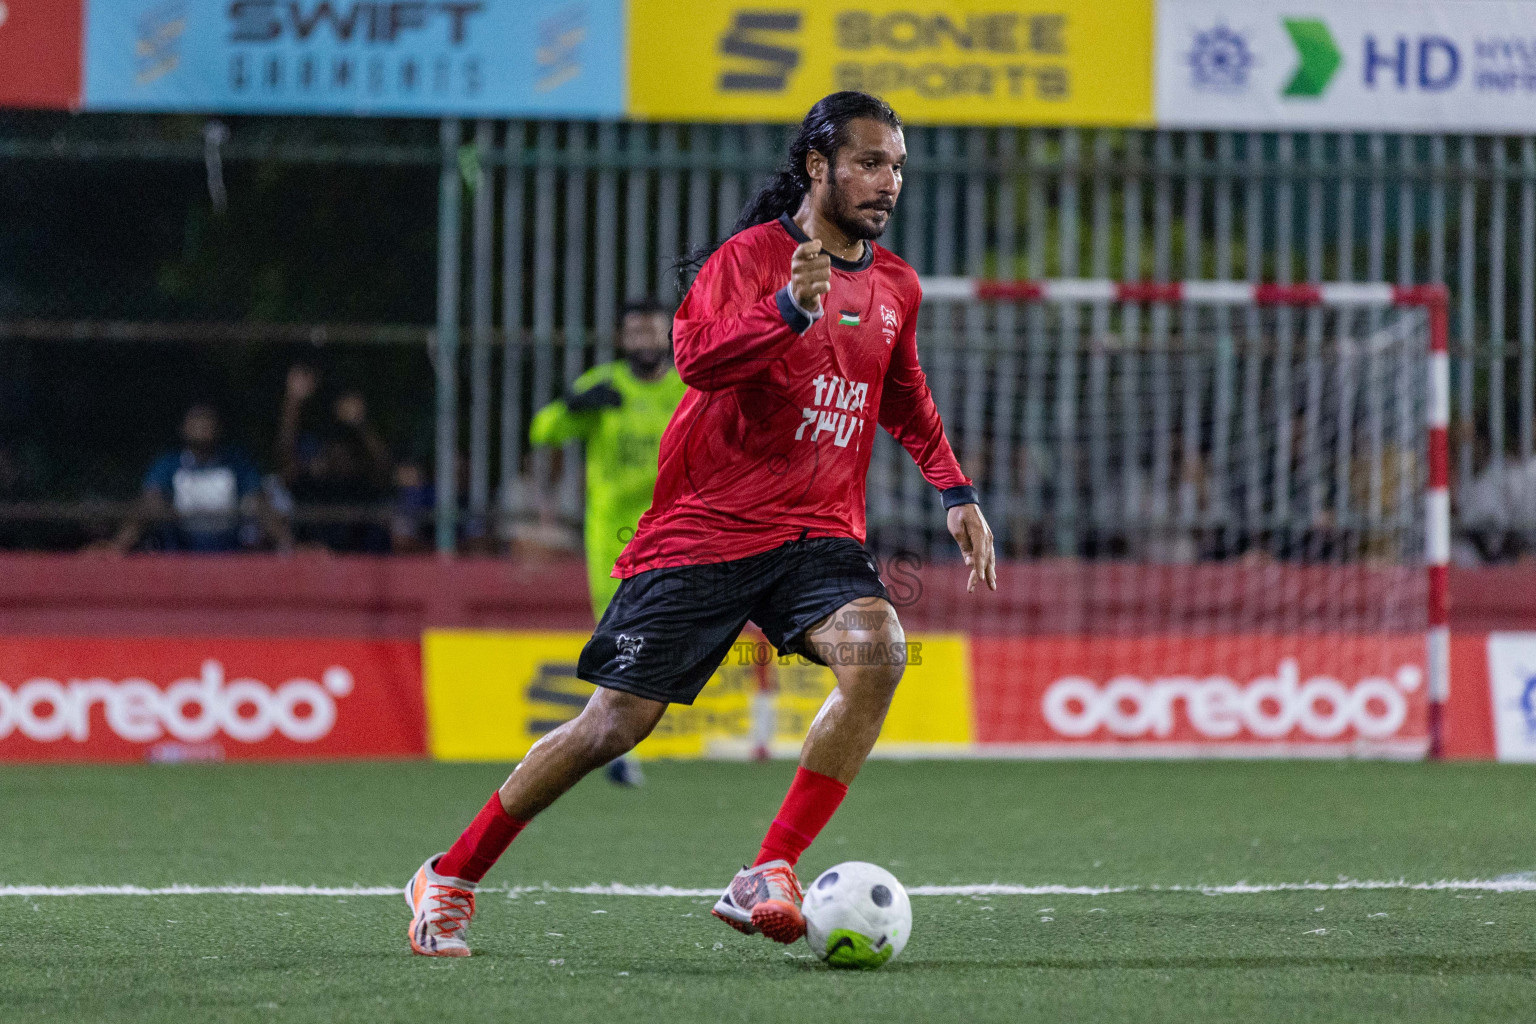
{"x": 873, "y": 662}
{"x": 610, "y": 743}
{"x": 616, "y": 726}
{"x": 893, "y": 652}
{"x": 614, "y": 737}
{"x": 883, "y": 676}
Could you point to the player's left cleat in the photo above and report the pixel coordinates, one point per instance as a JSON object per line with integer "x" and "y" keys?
{"x": 625, "y": 771}
{"x": 443, "y": 908}
{"x": 764, "y": 900}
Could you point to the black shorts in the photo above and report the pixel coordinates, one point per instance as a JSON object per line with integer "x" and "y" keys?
{"x": 667, "y": 630}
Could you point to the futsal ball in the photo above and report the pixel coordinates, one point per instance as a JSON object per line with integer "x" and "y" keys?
{"x": 857, "y": 915}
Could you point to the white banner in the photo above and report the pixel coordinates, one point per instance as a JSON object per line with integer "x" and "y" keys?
{"x": 1512, "y": 687}
{"x": 1452, "y": 65}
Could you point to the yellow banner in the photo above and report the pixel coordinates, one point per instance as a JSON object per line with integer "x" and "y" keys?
{"x": 939, "y": 62}
{"x": 490, "y": 695}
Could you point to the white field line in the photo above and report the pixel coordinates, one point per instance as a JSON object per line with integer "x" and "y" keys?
{"x": 1514, "y": 883}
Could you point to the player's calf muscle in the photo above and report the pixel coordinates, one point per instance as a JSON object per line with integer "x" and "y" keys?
{"x": 865, "y": 646}
{"x": 610, "y": 725}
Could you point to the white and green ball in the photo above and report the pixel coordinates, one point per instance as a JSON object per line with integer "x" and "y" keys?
{"x": 857, "y": 915}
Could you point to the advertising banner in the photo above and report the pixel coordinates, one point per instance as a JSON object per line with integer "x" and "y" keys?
{"x": 40, "y": 53}
{"x": 122, "y": 699}
{"x": 1400, "y": 65}
{"x": 1512, "y": 686}
{"x": 1469, "y": 728}
{"x": 481, "y": 58}
{"x": 1231, "y": 695}
{"x": 492, "y": 694}
{"x": 954, "y": 62}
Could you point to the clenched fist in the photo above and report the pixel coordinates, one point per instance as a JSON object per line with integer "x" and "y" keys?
{"x": 810, "y": 275}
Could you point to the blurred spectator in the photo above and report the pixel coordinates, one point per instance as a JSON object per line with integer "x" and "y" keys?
{"x": 413, "y": 512}
{"x": 194, "y": 498}
{"x": 410, "y": 524}
{"x": 1382, "y": 496}
{"x": 342, "y": 463}
{"x": 1495, "y": 512}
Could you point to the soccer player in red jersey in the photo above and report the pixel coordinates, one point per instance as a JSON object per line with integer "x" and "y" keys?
{"x": 796, "y": 340}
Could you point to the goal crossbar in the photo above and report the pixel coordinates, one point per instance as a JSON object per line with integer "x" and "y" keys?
{"x": 1433, "y": 299}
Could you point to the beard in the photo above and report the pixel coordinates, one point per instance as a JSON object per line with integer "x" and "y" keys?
{"x": 645, "y": 362}
{"x": 851, "y": 219}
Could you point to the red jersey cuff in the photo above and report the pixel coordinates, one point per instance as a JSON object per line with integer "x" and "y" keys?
{"x": 799, "y": 320}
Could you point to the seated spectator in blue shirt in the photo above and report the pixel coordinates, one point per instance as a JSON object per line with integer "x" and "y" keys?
{"x": 195, "y": 499}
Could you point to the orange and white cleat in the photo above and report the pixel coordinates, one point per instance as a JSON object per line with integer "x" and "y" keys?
{"x": 443, "y": 908}
{"x": 764, "y": 899}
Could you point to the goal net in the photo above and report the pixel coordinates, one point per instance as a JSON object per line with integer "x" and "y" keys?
{"x": 1215, "y": 507}
{"x": 1221, "y": 519}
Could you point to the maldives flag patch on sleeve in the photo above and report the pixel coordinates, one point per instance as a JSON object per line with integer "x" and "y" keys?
{"x": 848, "y": 318}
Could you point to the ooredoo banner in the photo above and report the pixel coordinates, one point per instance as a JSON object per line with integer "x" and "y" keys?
{"x": 958, "y": 62}
{"x": 484, "y": 58}
{"x": 1178, "y": 696}
{"x": 1407, "y": 65}
{"x": 133, "y": 699}
{"x": 489, "y": 695}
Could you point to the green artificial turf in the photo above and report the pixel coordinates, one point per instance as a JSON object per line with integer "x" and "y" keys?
{"x": 1144, "y": 955}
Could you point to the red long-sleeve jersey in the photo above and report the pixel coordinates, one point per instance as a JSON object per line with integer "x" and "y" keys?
{"x": 773, "y": 437}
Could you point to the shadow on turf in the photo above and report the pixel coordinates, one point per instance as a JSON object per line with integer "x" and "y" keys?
{"x": 1412, "y": 963}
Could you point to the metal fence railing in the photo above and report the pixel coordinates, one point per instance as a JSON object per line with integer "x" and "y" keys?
{"x": 545, "y": 228}
{"x": 569, "y": 219}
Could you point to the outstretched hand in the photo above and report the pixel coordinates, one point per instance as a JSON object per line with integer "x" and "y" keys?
{"x": 970, "y": 530}
{"x": 601, "y": 395}
{"x": 810, "y": 275}
{"x": 301, "y": 384}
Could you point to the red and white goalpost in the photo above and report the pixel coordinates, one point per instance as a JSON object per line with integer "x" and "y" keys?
{"x": 1352, "y": 313}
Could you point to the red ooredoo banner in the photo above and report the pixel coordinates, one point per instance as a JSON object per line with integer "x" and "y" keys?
{"x": 118, "y": 699}
{"x": 40, "y": 53}
{"x": 1177, "y": 695}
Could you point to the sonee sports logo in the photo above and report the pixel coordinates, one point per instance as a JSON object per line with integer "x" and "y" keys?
{"x": 1217, "y": 708}
{"x": 768, "y": 64}
{"x": 190, "y": 710}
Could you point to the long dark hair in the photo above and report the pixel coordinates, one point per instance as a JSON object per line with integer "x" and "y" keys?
{"x": 825, "y": 130}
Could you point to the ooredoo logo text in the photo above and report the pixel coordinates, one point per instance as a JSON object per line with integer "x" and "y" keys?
{"x": 1268, "y": 707}
{"x": 192, "y": 710}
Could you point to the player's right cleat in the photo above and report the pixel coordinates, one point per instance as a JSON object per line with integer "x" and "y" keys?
{"x": 764, "y": 900}
{"x": 443, "y": 908}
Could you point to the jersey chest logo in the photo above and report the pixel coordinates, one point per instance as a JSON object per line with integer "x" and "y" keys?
{"x": 888, "y": 323}
{"x": 838, "y": 409}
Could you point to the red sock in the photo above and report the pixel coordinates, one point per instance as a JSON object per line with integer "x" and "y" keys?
{"x": 486, "y": 839}
{"x": 807, "y": 808}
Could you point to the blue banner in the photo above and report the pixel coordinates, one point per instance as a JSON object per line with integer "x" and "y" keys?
{"x": 473, "y": 58}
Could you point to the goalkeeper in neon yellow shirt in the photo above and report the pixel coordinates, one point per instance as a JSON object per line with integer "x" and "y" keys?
{"x": 619, "y": 410}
